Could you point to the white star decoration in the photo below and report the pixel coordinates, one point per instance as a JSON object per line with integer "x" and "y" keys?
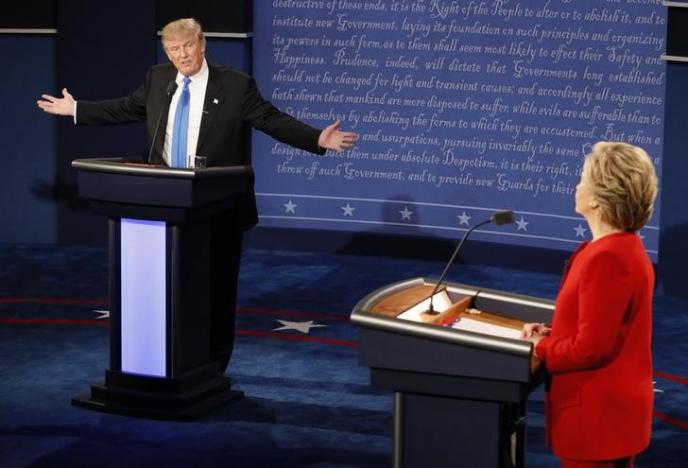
{"x": 580, "y": 230}
{"x": 655, "y": 389}
{"x": 522, "y": 224}
{"x": 303, "y": 327}
{"x": 464, "y": 218}
{"x": 290, "y": 207}
{"x": 102, "y": 314}
{"x": 406, "y": 214}
{"x": 348, "y": 210}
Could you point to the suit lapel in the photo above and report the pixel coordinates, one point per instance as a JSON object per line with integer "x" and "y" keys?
{"x": 211, "y": 105}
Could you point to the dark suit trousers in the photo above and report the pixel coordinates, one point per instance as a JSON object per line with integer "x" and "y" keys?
{"x": 225, "y": 245}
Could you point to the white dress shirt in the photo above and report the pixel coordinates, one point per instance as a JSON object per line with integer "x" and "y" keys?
{"x": 197, "y": 87}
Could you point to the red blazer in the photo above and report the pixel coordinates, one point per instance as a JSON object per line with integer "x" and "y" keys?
{"x": 599, "y": 404}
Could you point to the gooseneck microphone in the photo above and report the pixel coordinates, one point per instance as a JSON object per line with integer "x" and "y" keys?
{"x": 498, "y": 218}
{"x": 169, "y": 91}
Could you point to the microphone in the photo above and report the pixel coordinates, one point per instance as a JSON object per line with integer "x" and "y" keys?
{"x": 169, "y": 91}
{"x": 502, "y": 217}
{"x": 499, "y": 218}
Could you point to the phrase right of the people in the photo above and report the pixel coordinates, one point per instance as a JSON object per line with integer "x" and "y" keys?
{"x": 598, "y": 349}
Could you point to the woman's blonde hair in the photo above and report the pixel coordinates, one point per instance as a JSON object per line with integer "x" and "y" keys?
{"x": 183, "y": 27}
{"x": 623, "y": 181}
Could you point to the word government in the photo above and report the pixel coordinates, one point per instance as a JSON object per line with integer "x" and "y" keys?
{"x": 344, "y": 24}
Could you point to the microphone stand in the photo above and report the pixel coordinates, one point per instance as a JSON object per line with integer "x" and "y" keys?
{"x": 430, "y": 310}
{"x": 171, "y": 88}
{"x": 498, "y": 218}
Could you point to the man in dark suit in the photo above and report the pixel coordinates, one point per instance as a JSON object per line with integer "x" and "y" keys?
{"x": 208, "y": 113}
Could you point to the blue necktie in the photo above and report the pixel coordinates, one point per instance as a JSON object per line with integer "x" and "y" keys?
{"x": 181, "y": 127}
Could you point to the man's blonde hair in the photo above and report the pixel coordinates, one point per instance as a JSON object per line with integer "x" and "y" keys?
{"x": 183, "y": 27}
{"x": 623, "y": 181}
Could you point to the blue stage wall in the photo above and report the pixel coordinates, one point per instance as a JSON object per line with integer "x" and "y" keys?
{"x": 673, "y": 256}
{"x": 29, "y": 146}
{"x": 27, "y": 141}
{"x": 463, "y": 108}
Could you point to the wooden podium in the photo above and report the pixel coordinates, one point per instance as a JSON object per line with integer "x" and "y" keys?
{"x": 160, "y": 284}
{"x": 459, "y": 396}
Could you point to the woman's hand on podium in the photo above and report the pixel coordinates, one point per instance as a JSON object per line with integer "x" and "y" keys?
{"x": 57, "y": 106}
{"x": 533, "y": 330}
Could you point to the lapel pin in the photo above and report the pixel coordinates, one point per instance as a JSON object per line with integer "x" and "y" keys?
{"x": 216, "y": 101}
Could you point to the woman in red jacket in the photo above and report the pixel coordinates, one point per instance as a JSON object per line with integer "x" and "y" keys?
{"x": 597, "y": 351}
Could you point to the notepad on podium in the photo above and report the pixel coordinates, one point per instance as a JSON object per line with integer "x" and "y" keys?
{"x": 486, "y": 328}
{"x": 461, "y": 316}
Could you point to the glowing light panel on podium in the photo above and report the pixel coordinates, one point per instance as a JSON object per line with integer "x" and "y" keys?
{"x": 143, "y": 296}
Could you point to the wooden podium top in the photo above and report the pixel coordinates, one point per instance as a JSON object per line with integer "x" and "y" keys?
{"x": 395, "y": 304}
{"x": 476, "y": 333}
{"x": 398, "y": 302}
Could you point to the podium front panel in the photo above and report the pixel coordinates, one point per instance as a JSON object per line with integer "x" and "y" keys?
{"x": 388, "y": 350}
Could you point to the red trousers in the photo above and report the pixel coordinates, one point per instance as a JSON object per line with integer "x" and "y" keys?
{"x": 621, "y": 463}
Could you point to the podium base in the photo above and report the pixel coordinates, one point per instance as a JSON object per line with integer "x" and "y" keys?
{"x": 183, "y": 399}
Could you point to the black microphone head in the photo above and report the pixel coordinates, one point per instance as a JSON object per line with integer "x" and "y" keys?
{"x": 171, "y": 88}
{"x": 503, "y": 217}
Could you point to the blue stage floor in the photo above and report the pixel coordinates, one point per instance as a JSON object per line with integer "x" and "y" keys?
{"x": 308, "y": 403}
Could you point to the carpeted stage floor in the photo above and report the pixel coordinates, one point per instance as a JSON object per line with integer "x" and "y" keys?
{"x": 308, "y": 403}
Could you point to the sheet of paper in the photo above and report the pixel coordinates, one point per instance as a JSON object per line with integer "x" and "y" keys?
{"x": 477, "y": 326}
{"x": 440, "y": 303}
